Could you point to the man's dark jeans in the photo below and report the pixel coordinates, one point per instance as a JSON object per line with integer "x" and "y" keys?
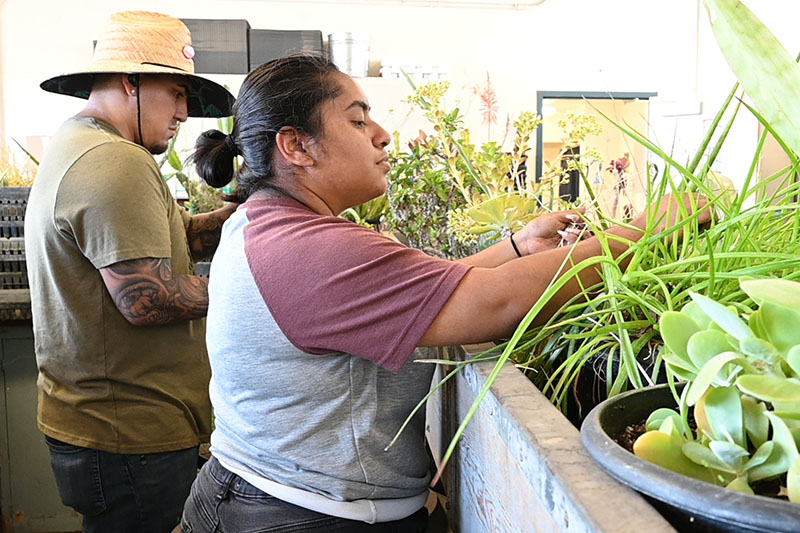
{"x": 222, "y": 502}
{"x": 138, "y": 493}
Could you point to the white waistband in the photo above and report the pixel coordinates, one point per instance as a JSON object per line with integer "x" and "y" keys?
{"x": 369, "y": 511}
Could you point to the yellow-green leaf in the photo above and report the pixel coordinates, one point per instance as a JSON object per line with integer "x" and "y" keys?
{"x": 793, "y": 481}
{"x": 725, "y": 318}
{"x": 704, "y": 345}
{"x": 768, "y": 74}
{"x": 665, "y": 451}
{"x": 783, "y": 292}
{"x": 175, "y": 160}
{"x": 755, "y": 421}
{"x": 707, "y": 375}
{"x": 740, "y": 484}
{"x": 676, "y": 330}
{"x": 770, "y": 388}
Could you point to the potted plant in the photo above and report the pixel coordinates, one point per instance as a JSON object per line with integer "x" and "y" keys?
{"x": 452, "y": 198}
{"x": 733, "y": 353}
{"x": 612, "y": 329}
{"x": 617, "y": 322}
{"x": 738, "y": 409}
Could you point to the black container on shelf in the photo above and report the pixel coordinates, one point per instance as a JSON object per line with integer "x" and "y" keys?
{"x": 13, "y": 271}
{"x": 15, "y": 301}
{"x": 221, "y": 46}
{"x": 266, "y": 45}
{"x": 13, "y": 201}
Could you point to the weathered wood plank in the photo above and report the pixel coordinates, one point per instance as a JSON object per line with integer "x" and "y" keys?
{"x": 520, "y": 466}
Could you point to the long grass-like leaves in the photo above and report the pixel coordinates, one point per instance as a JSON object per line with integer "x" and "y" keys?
{"x": 556, "y": 284}
{"x": 27, "y": 153}
{"x": 613, "y": 326}
{"x": 701, "y": 150}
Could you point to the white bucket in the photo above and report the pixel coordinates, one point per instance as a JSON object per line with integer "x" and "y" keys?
{"x": 350, "y": 52}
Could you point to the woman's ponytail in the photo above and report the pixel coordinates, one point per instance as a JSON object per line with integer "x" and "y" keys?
{"x": 213, "y": 158}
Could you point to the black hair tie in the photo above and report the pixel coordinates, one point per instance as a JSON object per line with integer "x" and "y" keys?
{"x": 511, "y": 238}
{"x": 231, "y": 145}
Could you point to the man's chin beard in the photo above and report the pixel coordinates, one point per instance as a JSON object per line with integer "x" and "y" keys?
{"x": 158, "y": 148}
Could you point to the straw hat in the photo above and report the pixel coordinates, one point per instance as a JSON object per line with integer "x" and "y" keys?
{"x": 138, "y": 42}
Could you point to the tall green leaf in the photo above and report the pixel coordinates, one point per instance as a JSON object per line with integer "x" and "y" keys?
{"x": 768, "y": 74}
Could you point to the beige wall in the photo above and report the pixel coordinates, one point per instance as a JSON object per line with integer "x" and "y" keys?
{"x": 661, "y": 46}
{"x": 559, "y": 45}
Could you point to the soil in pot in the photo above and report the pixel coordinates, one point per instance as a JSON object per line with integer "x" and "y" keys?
{"x": 770, "y": 488}
{"x": 689, "y": 505}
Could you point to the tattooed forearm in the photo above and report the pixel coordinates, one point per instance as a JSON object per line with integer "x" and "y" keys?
{"x": 147, "y": 293}
{"x": 204, "y": 231}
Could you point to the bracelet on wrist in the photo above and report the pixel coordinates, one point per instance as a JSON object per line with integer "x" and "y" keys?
{"x": 511, "y": 238}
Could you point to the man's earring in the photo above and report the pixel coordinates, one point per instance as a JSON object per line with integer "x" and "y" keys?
{"x": 133, "y": 91}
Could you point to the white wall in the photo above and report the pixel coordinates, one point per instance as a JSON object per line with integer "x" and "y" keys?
{"x": 662, "y": 46}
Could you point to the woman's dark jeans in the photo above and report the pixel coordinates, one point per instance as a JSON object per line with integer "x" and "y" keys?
{"x": 137, "y": 493}
{"x": 222, "y": 502}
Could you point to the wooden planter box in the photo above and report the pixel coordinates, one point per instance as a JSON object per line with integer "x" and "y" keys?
{"x": 520, "y": 465}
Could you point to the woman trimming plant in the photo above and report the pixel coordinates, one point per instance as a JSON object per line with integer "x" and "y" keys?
{"x": 451, "y": 198}
{"x": 613, "y": 325}
{"x": 313, "y": 319}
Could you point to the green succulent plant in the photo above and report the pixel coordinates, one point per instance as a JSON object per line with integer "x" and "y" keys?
{"x": 369, "y": 214}
{"x": 202, "y": 197}
{"x": 452, "y": 198}
{"x": 742, "y": 373}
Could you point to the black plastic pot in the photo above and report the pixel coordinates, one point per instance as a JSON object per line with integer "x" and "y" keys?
{"x": 689, "y": 505}
{"x": 591, "y": 382}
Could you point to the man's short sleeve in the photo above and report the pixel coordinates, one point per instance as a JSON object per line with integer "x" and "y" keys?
{"x": 334, "y": 286}
{"x": 113, "y": 204}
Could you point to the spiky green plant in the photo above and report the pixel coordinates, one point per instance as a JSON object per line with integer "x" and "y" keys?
{"x": 755, "y": 234}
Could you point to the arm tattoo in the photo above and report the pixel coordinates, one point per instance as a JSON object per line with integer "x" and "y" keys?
{"x": 147, "y": 293}
{"x": 203, "y": 233}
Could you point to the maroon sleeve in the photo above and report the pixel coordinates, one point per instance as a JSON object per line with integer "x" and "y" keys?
{"x": 335, "y": 286}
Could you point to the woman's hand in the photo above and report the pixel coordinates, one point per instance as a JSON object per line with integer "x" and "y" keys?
{"x": 550, "y": 231}
{"x": 669, "y": 212}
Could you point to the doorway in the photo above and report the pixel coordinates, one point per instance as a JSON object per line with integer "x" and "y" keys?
{"x": 615, "y": 167}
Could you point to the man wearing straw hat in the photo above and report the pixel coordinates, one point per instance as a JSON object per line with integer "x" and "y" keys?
{"x": 117, "y": 313}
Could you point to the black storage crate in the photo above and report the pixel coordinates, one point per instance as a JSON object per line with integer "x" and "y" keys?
{"x": 13, "y": 272}
{"x": 14, "y": 275}
{"x": 14, "y": 290}
{"x": 13, "y": 201}
{"x": 220, "y": 45}
{"x": 266, "y": 45}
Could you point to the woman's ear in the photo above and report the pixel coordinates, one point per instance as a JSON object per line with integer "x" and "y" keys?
{"x": 292, "y": 146}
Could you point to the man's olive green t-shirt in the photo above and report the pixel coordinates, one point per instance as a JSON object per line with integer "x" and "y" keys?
{"x": 104, "y": 383}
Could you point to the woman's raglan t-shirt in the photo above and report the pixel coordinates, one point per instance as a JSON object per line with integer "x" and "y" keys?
{"x": 312, "y": 321}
